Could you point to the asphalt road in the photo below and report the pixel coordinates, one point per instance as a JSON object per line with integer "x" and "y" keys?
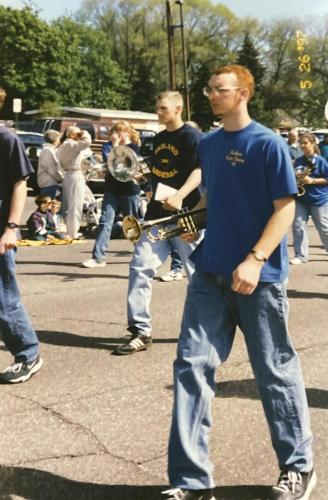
{"x": 95, "y": 426}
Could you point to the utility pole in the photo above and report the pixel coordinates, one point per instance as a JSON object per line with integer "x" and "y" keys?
{"x": 184, "y": 56}
{"x": 170, "y": 41}
{"x": 171, "y": 50}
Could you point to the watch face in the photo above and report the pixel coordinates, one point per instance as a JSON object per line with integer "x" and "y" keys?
{"x": 258, "y": 255}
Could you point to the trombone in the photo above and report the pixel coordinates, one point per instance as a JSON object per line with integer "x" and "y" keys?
{"x": 184, "y": 221}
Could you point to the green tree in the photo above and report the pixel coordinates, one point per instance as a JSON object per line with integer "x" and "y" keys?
{"x": 250, "y": 57}
{"x": 65, "y": 63}
{"x": 91, "y": 78}
{"x": 201, "y": 111}
{"x": 137, "y": 39}
{"x": 23, "y": 43}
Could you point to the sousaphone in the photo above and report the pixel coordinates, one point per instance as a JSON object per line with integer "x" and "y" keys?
{"x": 125, "y": 165}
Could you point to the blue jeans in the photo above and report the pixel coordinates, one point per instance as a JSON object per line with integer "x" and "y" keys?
{"x": 147, "y": 258}
{"x": 16, "y": 329}
{"x": 176, "y": 263}
{"x": 211, "y": 315}
{"x": 320, "y": 218}
{"x": 111, "y": 205}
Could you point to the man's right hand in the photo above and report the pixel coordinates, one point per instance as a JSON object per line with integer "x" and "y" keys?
{"x": 189, "y": 237}
{"x": 8, "y": 240}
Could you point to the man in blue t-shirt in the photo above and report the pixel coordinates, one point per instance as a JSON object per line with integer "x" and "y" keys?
{"x": 16, "y": 329}
{"x": 240, "y": 280}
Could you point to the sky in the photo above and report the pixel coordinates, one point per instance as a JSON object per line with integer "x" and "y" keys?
{"x": 262, "y": 9}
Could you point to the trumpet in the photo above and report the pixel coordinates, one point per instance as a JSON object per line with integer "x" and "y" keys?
{"x": 185, "y": 221}
{"x": 125, "y": 165}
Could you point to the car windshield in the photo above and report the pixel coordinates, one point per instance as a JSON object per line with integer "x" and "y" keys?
{"x": 31, "y": 138}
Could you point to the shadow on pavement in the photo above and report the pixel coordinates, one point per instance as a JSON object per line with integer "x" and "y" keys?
{"x": 295, "y": 294}
{"x": 76, "y": 276}
{"x": 317, "y": 398}
{"x": 34, "y": 484}
{"x": 75, "y": 340}
{"x": 61, "y": 264}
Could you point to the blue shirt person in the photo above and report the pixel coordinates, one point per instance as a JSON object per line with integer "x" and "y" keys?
{"x": 311, "y": 170}
{"x": 240, "y": 280}
{"x": 16, "y": 329}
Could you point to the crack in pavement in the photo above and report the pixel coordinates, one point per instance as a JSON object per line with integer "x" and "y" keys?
{"x": 103, "y": 449}
{"x": 66, "y": 420}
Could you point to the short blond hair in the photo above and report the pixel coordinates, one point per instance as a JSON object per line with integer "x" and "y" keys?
{"x": 172, "y": 95}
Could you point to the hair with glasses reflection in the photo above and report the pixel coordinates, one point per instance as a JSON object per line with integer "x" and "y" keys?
{"x": 172, "y": 95}
{"x": 243, "y": 75}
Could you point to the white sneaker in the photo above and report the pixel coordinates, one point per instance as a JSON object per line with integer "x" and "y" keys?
{"x": 93, "y": 263}
{"x": 296, "y": 261}
{"x": 172, "y": 276}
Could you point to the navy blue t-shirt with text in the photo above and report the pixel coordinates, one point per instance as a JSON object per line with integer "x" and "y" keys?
{"x": 174, "y": 158}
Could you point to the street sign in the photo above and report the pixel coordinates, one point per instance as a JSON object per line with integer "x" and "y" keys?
{"x": 17, "y": 105}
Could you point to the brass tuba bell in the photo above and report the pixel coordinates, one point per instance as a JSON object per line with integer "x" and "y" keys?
{"x": 125, "y": 165}
{"x": 185, "y": 221}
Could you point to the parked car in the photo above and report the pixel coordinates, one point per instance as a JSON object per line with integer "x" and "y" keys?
{"x": 33, "y": 142}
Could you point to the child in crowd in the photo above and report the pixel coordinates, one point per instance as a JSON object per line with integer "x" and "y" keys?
{"x": 41, "y": 225}
{"x": 38, "y": 221}
{"x": 57, "y": 226}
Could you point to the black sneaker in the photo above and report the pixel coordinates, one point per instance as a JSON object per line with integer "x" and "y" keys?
{"x": 137, "y": 342}
{"x": 294, "y": 485}
{"x": 179, "y": 494}
{"x": 21, "y": 371}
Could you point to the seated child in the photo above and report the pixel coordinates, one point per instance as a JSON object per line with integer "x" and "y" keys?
{"x": 41, "y": 224}
{"x": 56, "y": 225}
{"x": 38, "y": 221}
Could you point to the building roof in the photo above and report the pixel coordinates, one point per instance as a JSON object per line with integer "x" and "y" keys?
{"x": 102, "y": 113}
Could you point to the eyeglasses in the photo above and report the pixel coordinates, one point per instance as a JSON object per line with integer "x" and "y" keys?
{"x": 207, "y": 91}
